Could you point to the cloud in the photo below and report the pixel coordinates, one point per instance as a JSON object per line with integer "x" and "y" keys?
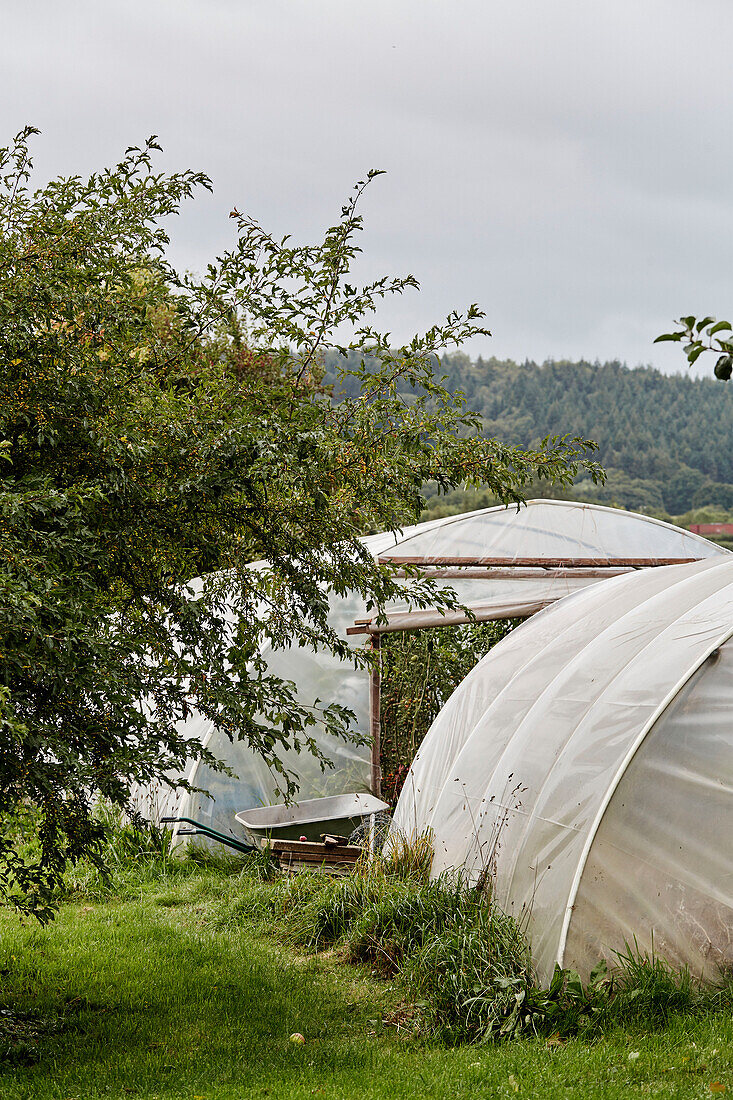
{"x": 566, "y": 165}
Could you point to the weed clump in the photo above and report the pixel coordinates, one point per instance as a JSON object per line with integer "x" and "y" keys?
{"x": 640, "y": 990}
{"x": 453, "y": 949}
{"x": 467, "y": 965}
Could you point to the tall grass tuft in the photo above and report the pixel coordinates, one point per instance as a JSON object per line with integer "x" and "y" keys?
{"x": 133, "y": 855}
{"x": 475, "y": 974}
{"x": 466, "y": 962}
{"x": 645, "y": 987}
{"x": 130, "y": 854}
{"x": 406, "y": 858}
{"x": 468, "y": 965}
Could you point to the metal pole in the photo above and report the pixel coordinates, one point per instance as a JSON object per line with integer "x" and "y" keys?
{"x": 374, "y": 718}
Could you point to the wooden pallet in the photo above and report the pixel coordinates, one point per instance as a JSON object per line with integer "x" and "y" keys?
{"x": 298, "y": 855}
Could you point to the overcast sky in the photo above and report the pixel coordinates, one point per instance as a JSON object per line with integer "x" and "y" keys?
{"x": 564, "y": 163}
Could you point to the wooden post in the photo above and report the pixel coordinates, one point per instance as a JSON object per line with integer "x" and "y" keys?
{"x": 536, "y": 563}
{"x": 374, "y": 718}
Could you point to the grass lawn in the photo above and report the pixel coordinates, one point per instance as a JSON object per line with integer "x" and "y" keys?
{"x": 175, "y": 988}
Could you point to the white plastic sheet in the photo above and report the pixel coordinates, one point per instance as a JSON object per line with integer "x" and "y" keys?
{"x": 660, "y": 869}
{"x": 523, "y": 786}
{"x": 464, "y": 742}
{"x": 554, "y": 528}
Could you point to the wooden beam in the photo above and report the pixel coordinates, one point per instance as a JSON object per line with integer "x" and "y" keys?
{"x": 525, "y": 573}
{"x": 316, "y": 851}
{"x": 375, "y": 727}
{"x": 539, "y": 563}
{"x": 425, "y": 620}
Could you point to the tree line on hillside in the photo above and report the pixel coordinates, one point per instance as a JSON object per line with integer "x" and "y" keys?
{"x": 664, "y": 440}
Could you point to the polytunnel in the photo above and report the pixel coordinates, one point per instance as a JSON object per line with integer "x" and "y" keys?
{"x": 586, "y": 765}
{"x": 501, "y": 562}
{"x": 509, "y": 562}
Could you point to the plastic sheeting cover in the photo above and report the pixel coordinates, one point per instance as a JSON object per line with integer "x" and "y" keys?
{"x": 555, "y": 528}
{"x": 441, "y": 770}
{"x": 660, "y": 870}
{"x": 549, "y": 731}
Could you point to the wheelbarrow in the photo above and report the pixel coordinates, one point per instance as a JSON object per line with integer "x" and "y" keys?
{"x": 337, "y": 815}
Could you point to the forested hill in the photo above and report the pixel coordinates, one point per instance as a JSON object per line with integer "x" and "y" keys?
{"x": 666, "y": 441}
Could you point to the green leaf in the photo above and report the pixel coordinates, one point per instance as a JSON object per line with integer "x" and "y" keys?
{"x": 724, "y": 368}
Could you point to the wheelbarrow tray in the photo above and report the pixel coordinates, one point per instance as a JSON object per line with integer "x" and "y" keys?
{"x": 338, "y": 814}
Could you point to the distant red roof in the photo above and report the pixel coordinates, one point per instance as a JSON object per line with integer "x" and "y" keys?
{"x": 711, "y": 528}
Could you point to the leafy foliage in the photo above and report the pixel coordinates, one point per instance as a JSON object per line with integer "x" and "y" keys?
{"x": 155, "y": 427}
{"x": 419, "y": 672}
{"x": 705, "y": 334}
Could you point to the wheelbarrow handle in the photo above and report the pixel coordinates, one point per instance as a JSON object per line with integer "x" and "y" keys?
{"x": 212, "y": 834}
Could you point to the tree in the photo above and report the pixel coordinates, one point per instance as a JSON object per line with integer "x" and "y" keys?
{"x": 156, "y": 427}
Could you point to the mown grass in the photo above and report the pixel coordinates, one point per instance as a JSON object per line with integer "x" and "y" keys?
{"x": 182, "y": 981}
